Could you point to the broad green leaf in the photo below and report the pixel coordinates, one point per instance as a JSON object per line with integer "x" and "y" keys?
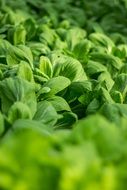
{"x": 19, "y": 110}
{"x": 82, "y": 49}
{"x": 19, "y": 35}
{"x": 67, "y": 120}
{"x": 114, "y": 112}
{"x": 4, "y": 46}
{"x": 47, "y": 35}
{"x": 42, "y": 91}
{"x": 107, "y": 59}
{"x": 40, "y": 73}
{"x": 45, "y": 66}
{"x": 102, "y": 40}
{"x": 123, "y": 49}
{"x": 105, "y": 95}
{"x": 106, "y": 79}
{"x": 74, "y": 36}
{"x": 21, "y": 125}
{"x": 76, "y": 89}
{"x": 17, "y": 89}
{"x": 57, "y": 84}
{"x": 46, "y": 113}
{"x": 59, "y": 103}
{"x": 117, "y": 96}
{"x": 68, "y": 67}
{"x": 19, "y": 53}
{"x": 120, "y": 83}
{"x": 30, "y": 28}
{"x": 38, "y": 48}
{"x": 93, "y": 107}
{"x": 25, "y": 71}
{"x": 93, "y": 67}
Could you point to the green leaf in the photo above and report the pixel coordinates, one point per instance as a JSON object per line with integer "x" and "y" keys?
{"x": 38, "y": 48}
{"x": 114, "y": 112}
{"x": 106, "y": 136}
{"x": 4, "y": 46}
{"x": 23, "y": 125}
{"x": 30, "y": 28}
{"x": 1, "y": 123}
{"x": 19, "y": 35}
{"x": 93, "y": 67}
{"x": 74, "y": 36}
{"x": 57, "y": 84}
{"x": 19, "y": 110}
{"x": 81, "y": 50}
{"x": 107, "y": 59}
{"x": 19, "y": 53}
{"x": 45, "y": 66}
{"x": 47, "y": 35}
{"x": 117, "y": 96}
{"x": 46, "y": 113}
{"x": 106, "y": 79}
{"x": 17, "y": 89}
{"x": 68, "y": 67}
{"x": 59, "y": 103}
{"x": 25, "y": 71}
{"x": 105, "y": 95}
{"x": 102, "y": 40}
{"x": 67, "y": 120}
{"x": 120, "y": 84}
{"x": 92, "y": 107}
{"x": 76, "y": 89}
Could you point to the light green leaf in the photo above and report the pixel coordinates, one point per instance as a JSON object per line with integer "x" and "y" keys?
{"x": 57, "y": 84}
{"x": 59, "y": 103}
{"x": 25, "y": 71}
{"x": 102, "y": 40}
{"x": 23, "y": 125}
{"x": 45, "y": 66}
{"x": 68, "y": 67}
{"x": 19, "y": 110}
{"x": 19, "y": 35}
{"x": 74, "y": 36}
{"x": 17, "y": 89}
{"x": 107, "y": 59}
{"x": 17, "y": 54}
{"x": 93, "y": 67}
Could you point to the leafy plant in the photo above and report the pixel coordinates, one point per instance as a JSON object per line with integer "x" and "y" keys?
{"x": 63, "y": 95}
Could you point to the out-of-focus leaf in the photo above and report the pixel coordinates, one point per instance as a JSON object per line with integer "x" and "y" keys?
{"x": 25, "y": 71}
{"x": 74, "y": 36}
{"x": 19, "y": 53}
{"x": 102, "y": 40}
{"x": 1, "y": 123}
{"x": 19, "y": 35}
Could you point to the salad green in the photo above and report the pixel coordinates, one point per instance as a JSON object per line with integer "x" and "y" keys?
{"x": 63, "y": 95}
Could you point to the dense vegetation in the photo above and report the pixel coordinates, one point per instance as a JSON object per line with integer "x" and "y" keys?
{"x": 63, "y": 95}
